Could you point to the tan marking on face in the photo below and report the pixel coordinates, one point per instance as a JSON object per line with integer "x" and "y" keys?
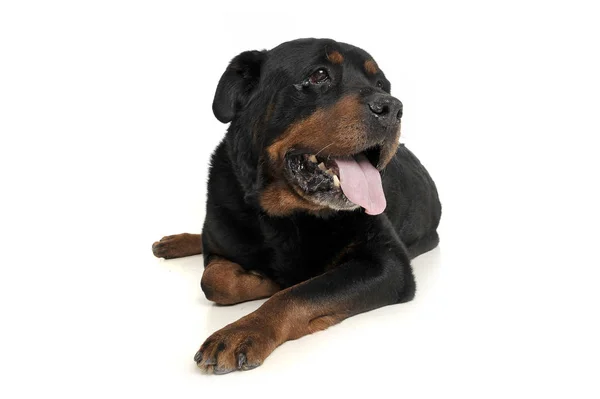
{"x": 389, "y": 149}
{"x": 335, "y": 57}
{"x": 278, "y": 199}
{"x": 226, "y": 283}
{"x": 371, "y": 67}
{"x": 338, "y": 129}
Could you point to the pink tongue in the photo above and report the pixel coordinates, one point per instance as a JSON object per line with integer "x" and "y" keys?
{"x": 361, "y": 183}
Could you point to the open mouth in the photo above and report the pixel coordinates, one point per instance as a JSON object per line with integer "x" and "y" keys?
{"x": 341, "y": 183}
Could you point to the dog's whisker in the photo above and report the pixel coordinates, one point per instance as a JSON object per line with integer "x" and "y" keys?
{"x": 321, "y": 150}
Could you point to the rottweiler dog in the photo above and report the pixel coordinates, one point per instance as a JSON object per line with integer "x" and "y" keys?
{"x": 312, "y": 202}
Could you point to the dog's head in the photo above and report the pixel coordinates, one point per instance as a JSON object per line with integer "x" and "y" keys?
{"x": 313, "y": 124}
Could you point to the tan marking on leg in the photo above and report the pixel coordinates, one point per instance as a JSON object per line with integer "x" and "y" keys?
{"x": 226, "y": 283}
{"x": 246, "y": 343}
{"x": 178, "y": 246}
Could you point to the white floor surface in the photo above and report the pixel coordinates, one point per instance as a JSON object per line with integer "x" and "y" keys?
{"x": 106, "y": 135}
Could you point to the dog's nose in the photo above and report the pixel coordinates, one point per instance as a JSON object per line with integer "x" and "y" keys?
{"x": 386, "y": 108}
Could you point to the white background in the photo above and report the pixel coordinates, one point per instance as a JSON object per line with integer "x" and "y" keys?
{"x": 106, "y": 131}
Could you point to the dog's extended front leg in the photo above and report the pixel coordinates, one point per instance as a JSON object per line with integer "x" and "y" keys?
{"x": 374, "y": 277}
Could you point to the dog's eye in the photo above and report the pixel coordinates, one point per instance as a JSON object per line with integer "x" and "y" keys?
{"x": 380, "y": 84}
{"x": 318, "y": 77}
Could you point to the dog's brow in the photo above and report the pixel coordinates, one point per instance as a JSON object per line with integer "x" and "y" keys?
{"x": 371, "y": 67}
{"x": 335, "y": 57}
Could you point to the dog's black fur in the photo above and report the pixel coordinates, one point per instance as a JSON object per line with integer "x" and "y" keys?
{"x": 294, "y": 248}
{"x": 349, "y": 261}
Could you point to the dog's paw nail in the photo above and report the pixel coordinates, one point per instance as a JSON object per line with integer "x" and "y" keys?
{"x": 241, "y": 360}
{"x": 210, "y": 362}
{"x": 219, "y": 371}
{"x": 198, "y": 357}
{"x": 250, "y": 366}
{"x": 158, "y": 249}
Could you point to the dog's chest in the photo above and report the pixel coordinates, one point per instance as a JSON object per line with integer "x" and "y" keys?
{"x": 303, "y": 248}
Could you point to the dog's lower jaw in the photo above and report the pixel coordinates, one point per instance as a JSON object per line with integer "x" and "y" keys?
{"x": 279, "y": 199}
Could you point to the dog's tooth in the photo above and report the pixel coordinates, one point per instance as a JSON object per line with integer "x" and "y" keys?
{"x": 312, "y": 158}
{"x": 329, "y": 172}
{"x": 336, "y": 181}
{"x": 322, "y": 166}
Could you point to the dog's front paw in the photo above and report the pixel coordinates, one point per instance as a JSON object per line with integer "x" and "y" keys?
{"x": 242, "y": 345}
{"x": 178, "y": 246}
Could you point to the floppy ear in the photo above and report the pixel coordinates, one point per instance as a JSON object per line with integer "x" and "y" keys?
{"x": 237, "y": 83}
